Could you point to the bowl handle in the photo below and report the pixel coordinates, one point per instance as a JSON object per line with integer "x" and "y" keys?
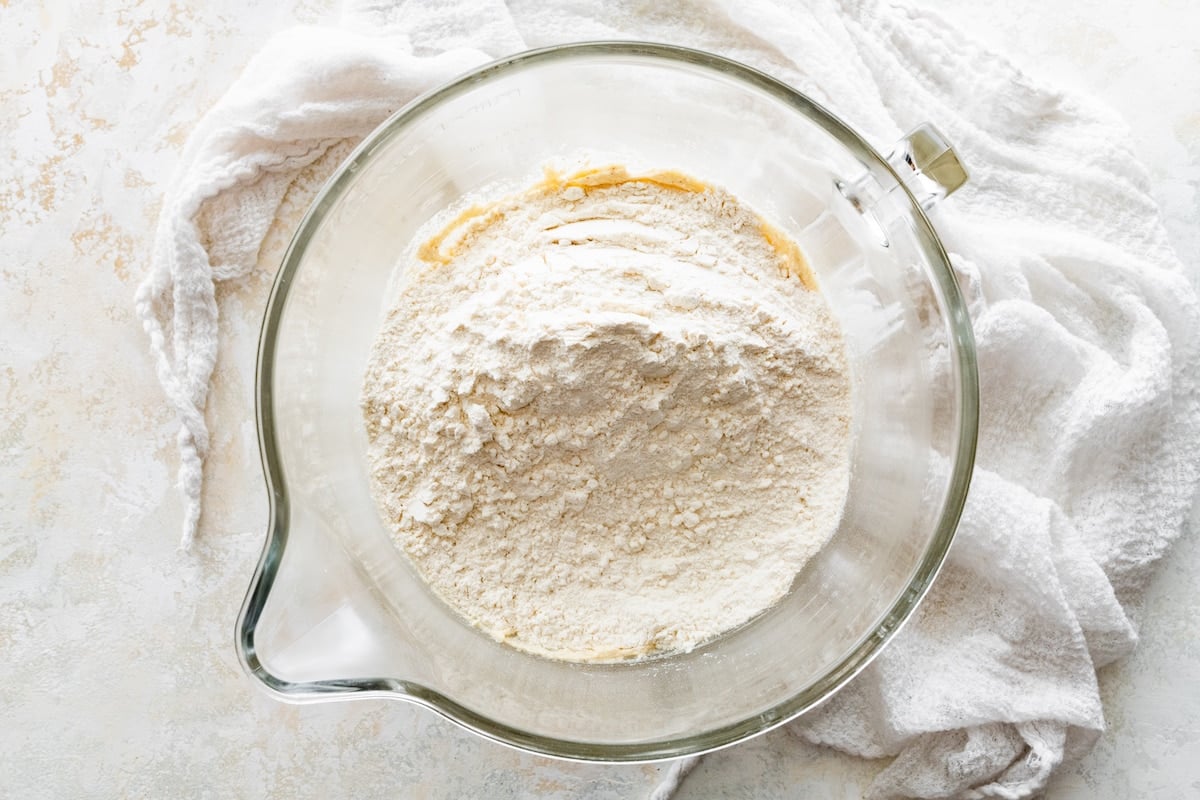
{"x": 928, "y": 165}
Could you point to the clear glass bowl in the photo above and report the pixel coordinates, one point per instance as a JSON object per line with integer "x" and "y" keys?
{"x": 335, "y": 611}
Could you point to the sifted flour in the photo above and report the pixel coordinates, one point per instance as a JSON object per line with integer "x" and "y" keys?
{"x": 608, "y": 416}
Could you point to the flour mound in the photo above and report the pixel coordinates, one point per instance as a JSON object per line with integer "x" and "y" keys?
{"x": 606, "y": 418}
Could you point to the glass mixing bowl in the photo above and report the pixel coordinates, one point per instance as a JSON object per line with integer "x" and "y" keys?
{"x": 335, "y": 611}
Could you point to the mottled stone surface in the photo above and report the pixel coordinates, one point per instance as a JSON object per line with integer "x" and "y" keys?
{"x": 120, "y": 673}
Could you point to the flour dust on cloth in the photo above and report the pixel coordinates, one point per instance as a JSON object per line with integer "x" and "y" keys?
{"x": 1083, "y": 317}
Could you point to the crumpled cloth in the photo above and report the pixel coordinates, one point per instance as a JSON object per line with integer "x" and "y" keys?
{"x": 1086, "y": 328}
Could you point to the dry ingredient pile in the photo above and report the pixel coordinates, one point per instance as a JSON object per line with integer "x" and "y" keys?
{"x": 609, "y": 415}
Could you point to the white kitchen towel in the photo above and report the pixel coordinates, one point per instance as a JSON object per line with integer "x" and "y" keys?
{"x": 1084, "y": 319}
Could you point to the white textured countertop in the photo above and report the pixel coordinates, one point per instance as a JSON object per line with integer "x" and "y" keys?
{"x": 120, "y": 673}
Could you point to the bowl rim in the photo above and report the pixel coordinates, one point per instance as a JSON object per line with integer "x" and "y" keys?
{"x": 872, "y": 642}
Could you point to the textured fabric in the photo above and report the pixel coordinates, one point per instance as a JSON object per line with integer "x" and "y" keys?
{"x": 308, "y": 90}
{"x": 1084, "y": 321}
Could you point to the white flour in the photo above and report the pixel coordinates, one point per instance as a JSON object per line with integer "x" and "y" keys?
{"x": 606, "y": 417}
